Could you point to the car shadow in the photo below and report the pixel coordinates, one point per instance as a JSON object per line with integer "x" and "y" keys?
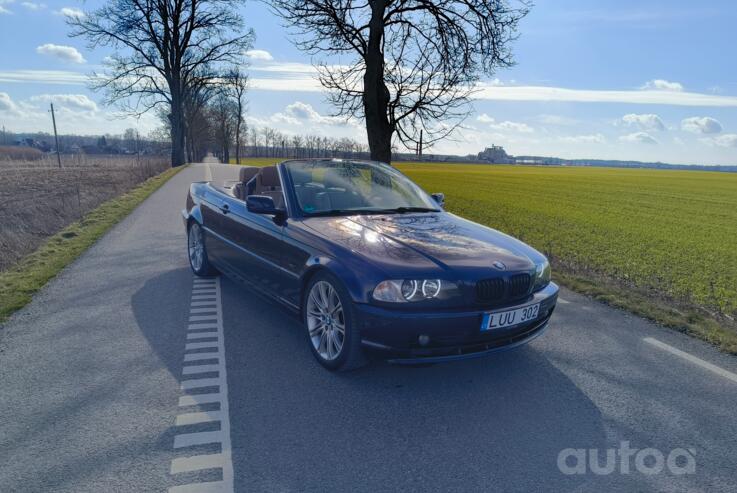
{"x": 497, "y": 423}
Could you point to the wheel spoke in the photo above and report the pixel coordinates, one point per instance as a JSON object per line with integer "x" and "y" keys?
{"x": 317, "y": 330}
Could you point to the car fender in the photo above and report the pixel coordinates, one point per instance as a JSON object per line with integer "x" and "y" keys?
{"x": 355, "y": 287}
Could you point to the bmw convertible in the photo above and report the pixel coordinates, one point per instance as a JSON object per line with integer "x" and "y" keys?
{"x": 369, "y": 260}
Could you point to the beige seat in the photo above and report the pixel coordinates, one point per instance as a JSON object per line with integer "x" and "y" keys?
{"x": 245, "y": 175}
{"x": 267, "y": 183}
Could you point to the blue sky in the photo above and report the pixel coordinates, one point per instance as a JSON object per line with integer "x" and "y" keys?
{"x": 646, "y": 80}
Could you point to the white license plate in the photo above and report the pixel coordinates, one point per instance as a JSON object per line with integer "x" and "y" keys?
{"x": 500, "y": 320}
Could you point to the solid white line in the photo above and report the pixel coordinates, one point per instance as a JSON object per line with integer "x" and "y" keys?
{"x": 197, "y": 463}
{"x": 693, "y": 359}
{"x": 209, "y": 487}
{"x": 193, "y": 400}
{"x": 565, "y": 302}
{"x": 200, "y": 356}
{"x": 197, "y": 418}
{"x": 193, "y": 370}
{"x": 199, "y": 438}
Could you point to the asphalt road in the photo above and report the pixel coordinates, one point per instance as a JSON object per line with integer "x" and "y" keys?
{"x": 91, "y": 397}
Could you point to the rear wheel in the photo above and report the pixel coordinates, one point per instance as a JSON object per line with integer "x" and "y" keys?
{"x": 329, "y": 320}
{"x": 197, "y": 252}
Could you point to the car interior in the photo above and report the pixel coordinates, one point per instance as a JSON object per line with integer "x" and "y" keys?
{"x": 253, "y": 180}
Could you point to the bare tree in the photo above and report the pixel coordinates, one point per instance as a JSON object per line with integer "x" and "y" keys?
{"x": 237, "y": 83}
{"x": 412, "y": 64}
{"x": 159, "y": 46}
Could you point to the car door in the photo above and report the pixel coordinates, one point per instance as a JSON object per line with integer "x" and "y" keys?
{"x": 256, "y": 248}
{"x": 211, "y": 208}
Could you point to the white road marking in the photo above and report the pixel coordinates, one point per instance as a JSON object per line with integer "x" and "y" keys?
{"x": 693, "y": 359}
{"x": 193, "y": 400}
{"x": 565, "y": 302}
{"x": 197, "y": 463}
{"x": 200, "y": 438}
{"x": 205, "y": 299}
{"x": 197, "y": 418}
{"x": 195, "y": 369}
{"x": 203, "y": 345}
{"x": 200, "y": 335}
{"x": 198, "y": 383}
{"x": 200, "y": 356}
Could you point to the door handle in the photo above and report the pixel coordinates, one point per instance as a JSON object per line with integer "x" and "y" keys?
{"x": 225, "y": 208}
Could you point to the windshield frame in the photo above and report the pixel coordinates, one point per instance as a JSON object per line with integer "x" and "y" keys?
{"x": 298, "y": 211}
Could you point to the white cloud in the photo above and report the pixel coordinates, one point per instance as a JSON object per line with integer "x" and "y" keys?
{"x": 3, "y": 9}
{"x": 701, "y": 125}
{"x": 584, "y": 139}
{"x": 647, "y": 121}
{"x": 639, "y": 138}
{"x": 299, "y": 113}
{"x": 74, "y": 102}
{"x": 72, "y": 12}
{"x": 555, "y": 120}
{"x": 6, "y": 104}
{"x": 62, "y": 52}
{"x": 662, "y": 85}
{"x": 725, "y": 140}
{"x": 44, "y": 76}
{"x": 512, "y": 127}
{"x": 34, "y": 6}
{"x": 262, "y": 55}
{"x": 484, "y": 118}
{"x": 562, "y": 94}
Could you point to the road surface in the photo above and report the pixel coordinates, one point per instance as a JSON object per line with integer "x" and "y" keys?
{"x": 98, "y": 392}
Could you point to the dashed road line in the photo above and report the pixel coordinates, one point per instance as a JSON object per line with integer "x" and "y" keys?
{"x": 204, "y": 356}
{"x": 564, "y": 302}
{"x": 693, "y": 359}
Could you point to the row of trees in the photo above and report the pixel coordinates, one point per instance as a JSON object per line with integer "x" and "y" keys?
{"x": 405, "y": 66}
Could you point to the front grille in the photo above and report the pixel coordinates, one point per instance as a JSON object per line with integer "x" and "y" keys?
{"x": 490, "y": 289}
{"x": 499, "y": 289}
{"x": 519, "y": 285}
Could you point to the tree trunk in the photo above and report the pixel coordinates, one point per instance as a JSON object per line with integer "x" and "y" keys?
{"x": 375, "y": 94}
{"x": 178, "y": 129}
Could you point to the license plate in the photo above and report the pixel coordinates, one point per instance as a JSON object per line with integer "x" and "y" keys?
{"x": 509, "y": 318}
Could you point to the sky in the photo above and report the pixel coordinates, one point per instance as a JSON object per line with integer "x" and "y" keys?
{"x": 648, "y": 80}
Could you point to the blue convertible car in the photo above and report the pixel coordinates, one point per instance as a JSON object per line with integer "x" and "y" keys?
{"x": 369, "y": 260}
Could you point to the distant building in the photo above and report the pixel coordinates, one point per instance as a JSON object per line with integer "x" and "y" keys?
{"x": 495, "y": 154}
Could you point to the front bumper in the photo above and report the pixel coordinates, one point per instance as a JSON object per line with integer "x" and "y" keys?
{"x": 450, "y": 334}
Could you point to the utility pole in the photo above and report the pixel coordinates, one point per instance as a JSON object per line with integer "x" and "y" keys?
{"x": 56, "y": 136}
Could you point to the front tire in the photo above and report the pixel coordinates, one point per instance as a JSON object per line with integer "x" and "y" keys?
{"x": 197, "y": 252}
{"x": 329, "y": 321}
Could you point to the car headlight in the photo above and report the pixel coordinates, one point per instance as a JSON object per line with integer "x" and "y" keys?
{"x": 405, "y": 290}
{"x": 542, "y": 275}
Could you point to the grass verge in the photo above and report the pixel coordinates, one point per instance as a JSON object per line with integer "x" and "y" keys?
{"x": 31, "y": 273}
{"x": 692, "y": 320}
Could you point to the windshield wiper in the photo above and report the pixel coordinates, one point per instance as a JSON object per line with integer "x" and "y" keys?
{"x": 402, "y": 210}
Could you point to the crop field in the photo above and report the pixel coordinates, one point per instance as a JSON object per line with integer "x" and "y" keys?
{"x": 37, "y": 199}
{"x": 670, "y": 232}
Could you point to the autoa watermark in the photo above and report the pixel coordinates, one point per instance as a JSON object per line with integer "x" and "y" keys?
{"x": 626, "y": 459}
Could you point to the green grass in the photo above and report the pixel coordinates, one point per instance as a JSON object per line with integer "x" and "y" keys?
{"x": 259, "y": 161}
{"x": 20, "y": 282}
{"x": 660, "y": 243}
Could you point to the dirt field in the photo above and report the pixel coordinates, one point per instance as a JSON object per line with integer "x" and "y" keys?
{"x": 37, "y": 198}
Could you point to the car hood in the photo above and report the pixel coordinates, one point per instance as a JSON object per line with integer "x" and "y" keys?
{"x": 413, "y": 241}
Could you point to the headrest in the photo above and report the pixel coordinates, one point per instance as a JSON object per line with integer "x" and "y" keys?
{"x": 270, "y": 177}
{"x": 334, "y": 177}
{"x": 246, "y": 173}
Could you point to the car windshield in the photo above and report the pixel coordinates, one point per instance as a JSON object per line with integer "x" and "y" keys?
{"x": 351, "y": 187}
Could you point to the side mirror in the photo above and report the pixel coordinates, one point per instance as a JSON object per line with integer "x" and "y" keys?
{"x": 261, "y": 204}
{"x": 439, "y": 198}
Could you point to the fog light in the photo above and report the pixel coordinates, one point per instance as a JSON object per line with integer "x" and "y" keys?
{"x": 424, "y": 340}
